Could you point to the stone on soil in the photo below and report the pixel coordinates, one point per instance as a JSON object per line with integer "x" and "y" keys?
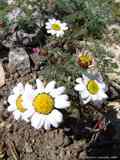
{"x": 19, "y": 58}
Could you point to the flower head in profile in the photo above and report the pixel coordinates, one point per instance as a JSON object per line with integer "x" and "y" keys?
{"x": 16, "y": 101}
{"x": 85, "y": 59}
{"x": 42, "y": 105}
{"x": 55, "y": 27}
{"x": 91, "y": 89}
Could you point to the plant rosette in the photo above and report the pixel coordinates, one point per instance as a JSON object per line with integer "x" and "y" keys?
{"x": 55, "y": 27}
{"x": 43, "y": 105}
{"x": 16, "y": 101}
{"x": 91, "y": 89}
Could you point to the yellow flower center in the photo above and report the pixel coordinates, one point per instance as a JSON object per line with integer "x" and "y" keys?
{"x": 56, "y": 27}
{"x": 92, "y": 87}
{"x": 43, "y": 103}
{"x": 85, "y": 60}
{"x": 19, "y": 104}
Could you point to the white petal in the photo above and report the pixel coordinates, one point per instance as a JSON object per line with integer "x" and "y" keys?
{"x": 41, "y": 123}
{"x": 84, "y": 94}
{"x": 28, "y": 113}
{"x": 53, "y": 32}
{"x": 58, "y": 22}
{"x": 79, "y": 87}
{"x": 40, "y": 85}
{"x": 20, "y": 87}
{"x": 52, "y": 21}
{"x": 48, "y": 26}
{"x": 27, "y": 102}
{"x": 61, "y": 104}
{"x": 100, "y": 96}
{"x": 28, "y": 93}
{"x": 85, "y": 79}
{"x": 28, "y": 96}
{"x": 79, "y": 80}
{"x": 94, "y": 98}
{"x": 58, "y": 91}
{"x": 103, "y": 86}
{"x": 50, "y": 86}
{"x": 58, "y": 34}
{"x": 63, "y": 97}
{"x": 36, "y": 120}
{"x": 55, "y": 117}
{"x": 53, "y": 122}
{"x": 28, "y": 87}
{"x": 104, "y": 96}
{"x": 17, "y": 114}
{"x": 16, "y": 91}
{"x": 64, "y": 26}
{"x": 11, "y": 108}
{"x": 12, "y": 99}
{"x": 47, "y": 124}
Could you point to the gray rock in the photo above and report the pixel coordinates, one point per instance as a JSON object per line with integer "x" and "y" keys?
{"x": 19, "y": 58}
{"x": 2, "y": 75}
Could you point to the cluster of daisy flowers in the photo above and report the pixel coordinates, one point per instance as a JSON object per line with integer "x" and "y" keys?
{"x": 90, "y": 85}
{"x": 39, "y": 105}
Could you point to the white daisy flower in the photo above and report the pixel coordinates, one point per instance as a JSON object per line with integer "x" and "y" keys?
{"x": 55, "y": 27}
{"x": 42, "y": 104}
{"x": 91, "y": 89}
{"x": 16, "y": 101}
